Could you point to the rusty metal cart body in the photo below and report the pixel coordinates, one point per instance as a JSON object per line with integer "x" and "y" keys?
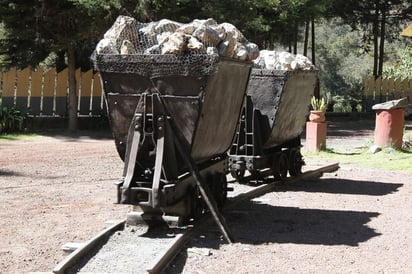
{"x": 272, "y": 120}
{"x": 173, "y": 119}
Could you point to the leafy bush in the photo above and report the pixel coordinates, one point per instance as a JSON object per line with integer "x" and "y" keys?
{"x": 402, "y": 68}
{"x": 346, "y": 104}
{"x": 11, "y": 119}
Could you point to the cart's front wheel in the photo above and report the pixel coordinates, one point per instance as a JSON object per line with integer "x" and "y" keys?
{"x": 238, "y": 174}
{"x": 295, "y": 162}
{"x": 219, "y": 189}
{"x": 280, "y": 166}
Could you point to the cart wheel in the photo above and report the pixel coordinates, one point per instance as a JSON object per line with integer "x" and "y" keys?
{"x": 255, "y": 174}
{"x": 238, "y": 174}
{"x": 197, "y": 204}
{"x": 295, "y": 162}
{"x": 219, "y": 189}
{"x": 280, "y": 166}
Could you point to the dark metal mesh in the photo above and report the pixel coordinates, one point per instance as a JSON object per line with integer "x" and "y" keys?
{"x": 157, "y": 65}
{"x": 162, "y": 48}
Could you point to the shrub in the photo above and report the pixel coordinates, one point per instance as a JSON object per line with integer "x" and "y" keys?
{"x": 346, "y": 104}
{"x": 11, "y": 119}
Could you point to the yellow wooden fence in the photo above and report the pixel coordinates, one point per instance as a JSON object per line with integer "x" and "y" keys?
{"x": 381, "y": 90}
{"x": 44, "y": 93}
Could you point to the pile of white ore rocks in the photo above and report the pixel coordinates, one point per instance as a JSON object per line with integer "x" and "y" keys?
{"x": 128, "y": 36}
{"x": 282, "y": 60}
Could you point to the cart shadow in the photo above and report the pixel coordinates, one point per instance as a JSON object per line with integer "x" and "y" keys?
{"x": 258, "y": 223}
{"x": 9, "y": 173}
{"x": 255, "y": 223}
{"x": 343, "y": 186}
{"x": 329, "y": 185}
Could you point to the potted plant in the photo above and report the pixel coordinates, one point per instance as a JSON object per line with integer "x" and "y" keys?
{"x": 317, "y": 114}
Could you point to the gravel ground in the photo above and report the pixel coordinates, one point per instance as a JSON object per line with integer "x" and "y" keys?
{"x": 59, "y": 189}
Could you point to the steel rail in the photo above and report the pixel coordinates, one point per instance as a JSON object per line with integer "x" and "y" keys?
{"x": 71, "y": 259}
{"x": 266, "y": 188}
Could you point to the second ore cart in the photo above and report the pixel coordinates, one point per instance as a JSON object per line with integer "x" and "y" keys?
{"x": 272, "y": 120}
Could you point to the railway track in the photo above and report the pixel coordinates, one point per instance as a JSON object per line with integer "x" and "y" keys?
{"x": 123, "y": 248}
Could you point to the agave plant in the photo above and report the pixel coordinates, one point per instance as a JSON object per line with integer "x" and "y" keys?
{"x": 318, "y": 104}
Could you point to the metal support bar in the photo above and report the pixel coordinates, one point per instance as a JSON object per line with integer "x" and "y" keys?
{"x": 203, "y": 187}
{"x": 159, "y": 161}
{"x": 131, "y": 154}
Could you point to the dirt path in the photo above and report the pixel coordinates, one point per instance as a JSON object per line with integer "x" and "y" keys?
{"x": 53, "y": 191}
{"x": 59, "y": 189}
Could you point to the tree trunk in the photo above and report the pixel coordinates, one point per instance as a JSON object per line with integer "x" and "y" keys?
{"x": 382, "y": 40}
{"x": 375, "y": 40}
{"x": 305, "y": 43}
{"x": 317, "y": 86}
{"x": 71, "y": 63}
{"x": 313, "y": 41}
{"x": 295, "y": 38}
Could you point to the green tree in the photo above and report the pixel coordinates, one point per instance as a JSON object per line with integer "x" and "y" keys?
{"x": 34, "y": 29}
{"x": 402, "y": 68}
{"x": 342, "y": 65}
{"x": 374, "y": 18}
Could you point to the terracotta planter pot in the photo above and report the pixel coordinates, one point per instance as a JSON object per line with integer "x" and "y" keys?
{"x": 317, "y": 116}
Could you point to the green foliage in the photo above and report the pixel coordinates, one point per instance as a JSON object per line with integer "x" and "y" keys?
{"x": 402, "y": 68}
{"x": 43, "y": 27}
{"x": 378, "y": 20}
{"x": 346, "y": 103}
{"x": 341, "y": 64}
{"x": 318, "y": 104}
{"x": 11, "y": 119}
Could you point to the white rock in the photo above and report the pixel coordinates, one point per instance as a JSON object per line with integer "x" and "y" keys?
{"x": 233, "y": 32}
{"x": 166, "y": 25}
{"x": 106, "y": 46}
{"x": 227, "y": 47}
{"x": 156, "y": 49}
{"x": 221, "y": 31}
{"x": 374, "y": 149}
{"x": 285, "y": 57}
{"x": 208, "y": 22}
{"x": 127, "y": 48}
{"x": 271, "y": 59}
{"x": 176, "y": 44}
{"x": 282, "y": 61}
{"x": 192, "y": 26}
{"x": 241, "y": 52}
{"x": 187, "y": 28}
{"x": 149, "y": 29}
{"x": 212, "y": 51}
{"x": 207, "y": 35}
{"x": 195, "y": 46}
{"x": 252, "y": 50}
{"x": 199, "y": 251}
{"x": 124, "y": 28}
{"x": 163, "y": 37}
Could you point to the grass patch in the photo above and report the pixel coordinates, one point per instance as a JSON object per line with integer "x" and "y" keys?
{"x": 387, "y": 158}
{"x": 19, "y": 136}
